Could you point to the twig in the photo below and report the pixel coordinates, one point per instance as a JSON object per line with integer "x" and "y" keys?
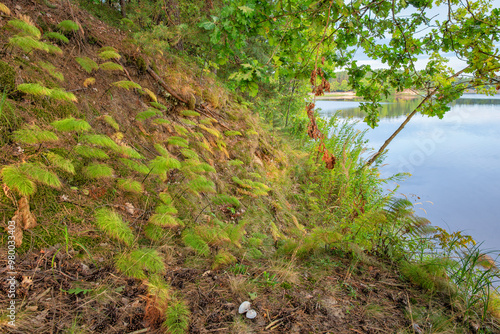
{"x": 144, "y": 330}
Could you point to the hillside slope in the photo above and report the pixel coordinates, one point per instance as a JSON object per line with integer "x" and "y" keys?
{"x": 148, "y": 199}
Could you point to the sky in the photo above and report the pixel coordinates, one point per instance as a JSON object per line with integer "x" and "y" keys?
{"x": 439, "y": 13}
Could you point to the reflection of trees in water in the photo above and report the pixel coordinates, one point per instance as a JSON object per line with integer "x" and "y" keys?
{"x": 401, "y": 106}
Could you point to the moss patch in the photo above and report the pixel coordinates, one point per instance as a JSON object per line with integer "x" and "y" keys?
{"x": 7, "y": 77}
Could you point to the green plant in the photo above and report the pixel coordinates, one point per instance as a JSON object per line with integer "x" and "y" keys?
{"x": 32, "y": 134}
{"x": 177, "y": 317}
{"x": 90, "y": 152}
{"x": 178, "y": 141}
{"x": 56, "y": 36}
{"x": 61, "y": 163}
{"x": 110, "y": 66}
{"x": 87, "y": 64}
{"x": 130, "y": 185}
{"x": 71, "y": 124}
{"x": 98, "y": 171}
{"x": 126, "y": 85}
{"x": 110, "y": 222}
{"x": 67, "y": 26}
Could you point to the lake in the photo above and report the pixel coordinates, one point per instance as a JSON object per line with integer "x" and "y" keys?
{"x": 454, "y": 161}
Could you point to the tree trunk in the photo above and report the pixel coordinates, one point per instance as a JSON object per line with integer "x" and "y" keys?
{"x": 122, "y": 8}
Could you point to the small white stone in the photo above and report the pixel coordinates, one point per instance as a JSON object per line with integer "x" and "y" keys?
{"x": 251, "y": 314}
{"x": 244, "y": 307}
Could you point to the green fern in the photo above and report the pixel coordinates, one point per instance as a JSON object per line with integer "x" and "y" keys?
{"x": 187, "y": 122}
{"x": 193, "y": 240}
{"x": 190, "y": 154}
{"x": 223, "y": 199}
{"x": 100, "y": 140}
{"x": 67, "y": 26}
{"x": 235, "y": 162}
{"x": 162, "y": 150}
{"x": 166, "y": 198}
{"x": 111, "y": 223}
{"x": 154, "y": 232}
{"x": 126, "y": 84}
{"x": 201, "y": 184}
{"x": 51, "y": 70}
{"x": 165, "y": 220}
{"x": 25, "y": 27}
{"x": 124, "y": 265}
{"x": 39, "y": 173}
{"x": 26, "y": 43}
{"x": 110, "y": 66}
{"x": 212, "y": 131}
{"x": 98, "y": 171}
{"x": 150, "y": 112}
{"x": 177, "y": 318}
{"x": 90, "y": 152}
{"x": 17, "y": 180}
{"x": 62, "y": 95}
{"x": 159, "y": 290}
{"x": 214, "y": 235}
{"x": 161, "y": 121}
{"x": 109, "y": 54}
{"x": 223, "y": 258}
{"x": 207, "y": 121}
{"x": 107, "y": 48}
{"x": 181, "y": 130}
{"x": 34, "y": 135}
{"x": 128, "y": 152}
{"x": 87, "y": 64}
{"x": 148, "y": 259}
{"x": 130, "y": 185}
{"x": 190, "y": 113}
{"x": 71, "y": 124}
{"x": 111, "y": 121}
{"x": 178, "y": 141}
{"x": 236, "y": 232}
{"x": 50, "y": 48}
{"x": 56, "y": 36}
{"x": 161, "y": 165}
{"x": 34, "y": 89}
{"x": 231, "y": 133}
{"x": 136, "y": 166}
{"x": 61, "y": 163}
{"x": 159, "y": 105}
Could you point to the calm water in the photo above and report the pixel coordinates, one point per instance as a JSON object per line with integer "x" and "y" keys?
{"x": 454, "y": 161}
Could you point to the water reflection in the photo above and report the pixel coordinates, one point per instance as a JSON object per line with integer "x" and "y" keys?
{"x": 454, "y": 161}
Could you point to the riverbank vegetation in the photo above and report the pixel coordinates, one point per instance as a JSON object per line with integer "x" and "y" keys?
{"x": 160, "y": 170}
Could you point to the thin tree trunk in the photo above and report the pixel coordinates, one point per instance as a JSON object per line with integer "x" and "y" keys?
{"x": 122, "y": 8}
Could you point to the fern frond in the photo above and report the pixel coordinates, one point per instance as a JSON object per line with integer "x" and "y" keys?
{"x": 111, "y": 223}
{"x": 50, "y": 48}
{"x": 236, "y": 232}
{"x": 138, "y": 167}
{"x": 178, "y": 141}
{"x": 126, "y": 84}
{"x": 111, "y": 121}
{"x": 87, "y": 64}
{"x": 110, "y": 66}
{"x": 62, "y": 95}
{"x": 124, "y": 265}
{"x": 98, "y": 171}
{"x": 201, "y": 184}
{"x": 161, "y": 121}
{"x": 190, "y": 154}
{"x": 34, "y": 135}
{"x": 25, "y": 27}
{"x": 27, "y": 43}
{"x": 61, "y": 163}
{"x": 193, "y": 240}
{"x": 214, "y": 236}
{"x": 107, "y": 48}
{"x": 148, "y": 259}
{"x": 39, "y": 173}
{"x": 128, "y": 152}
{"x": 34, "y": 89}
{"x": 159, "y": 290}
{"x": 154, "y": 232}
{"x": 223, "y": 258}
{"x": 158, "y": 105}
{"x": 4, "y": 9}
{"x": 177, "y": 318}
{"x": 100, "y": 140}
{"x": 88, "y": 82}
{"x": 162, "y": 150}
{"x": 56, "y": 36}
{"x": 190, "y": 113}
{"x": 130, "y": 185}
{"x": 212, "y": 131}
{"x": 165, "y": 220}
{"x": 166, "y": 198}
{"x": 150, "y": 94}
{"x": 223, "y": 199}
{"x": 67, "y": 26}
{"x": 231, "y": 133}
{"x": 71, "y": 124}
{"x": 181, "y": 130}
{"x": 168, "y": 209}
{"x": 109, "y": 54}
{"x": 188, "y": 122}
{"x": 235, "y": 162}
{"x": 16, "y": 180}
{"x": 51, "y": 70}
{"x": 90, "y": 152}
{"x": 148, "y": 113}
{"x": 208, "y": 121}
{"x": 161, "y": 165}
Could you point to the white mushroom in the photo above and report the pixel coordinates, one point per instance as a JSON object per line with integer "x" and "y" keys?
{"x": 251, "y": 314}
{"x": 244, "y": 307}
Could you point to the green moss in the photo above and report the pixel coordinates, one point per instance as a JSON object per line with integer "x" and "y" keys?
{"x": 7, "y": 78}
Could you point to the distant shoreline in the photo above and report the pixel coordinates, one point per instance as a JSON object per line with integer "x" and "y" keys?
{"x": 407, "y": 94}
